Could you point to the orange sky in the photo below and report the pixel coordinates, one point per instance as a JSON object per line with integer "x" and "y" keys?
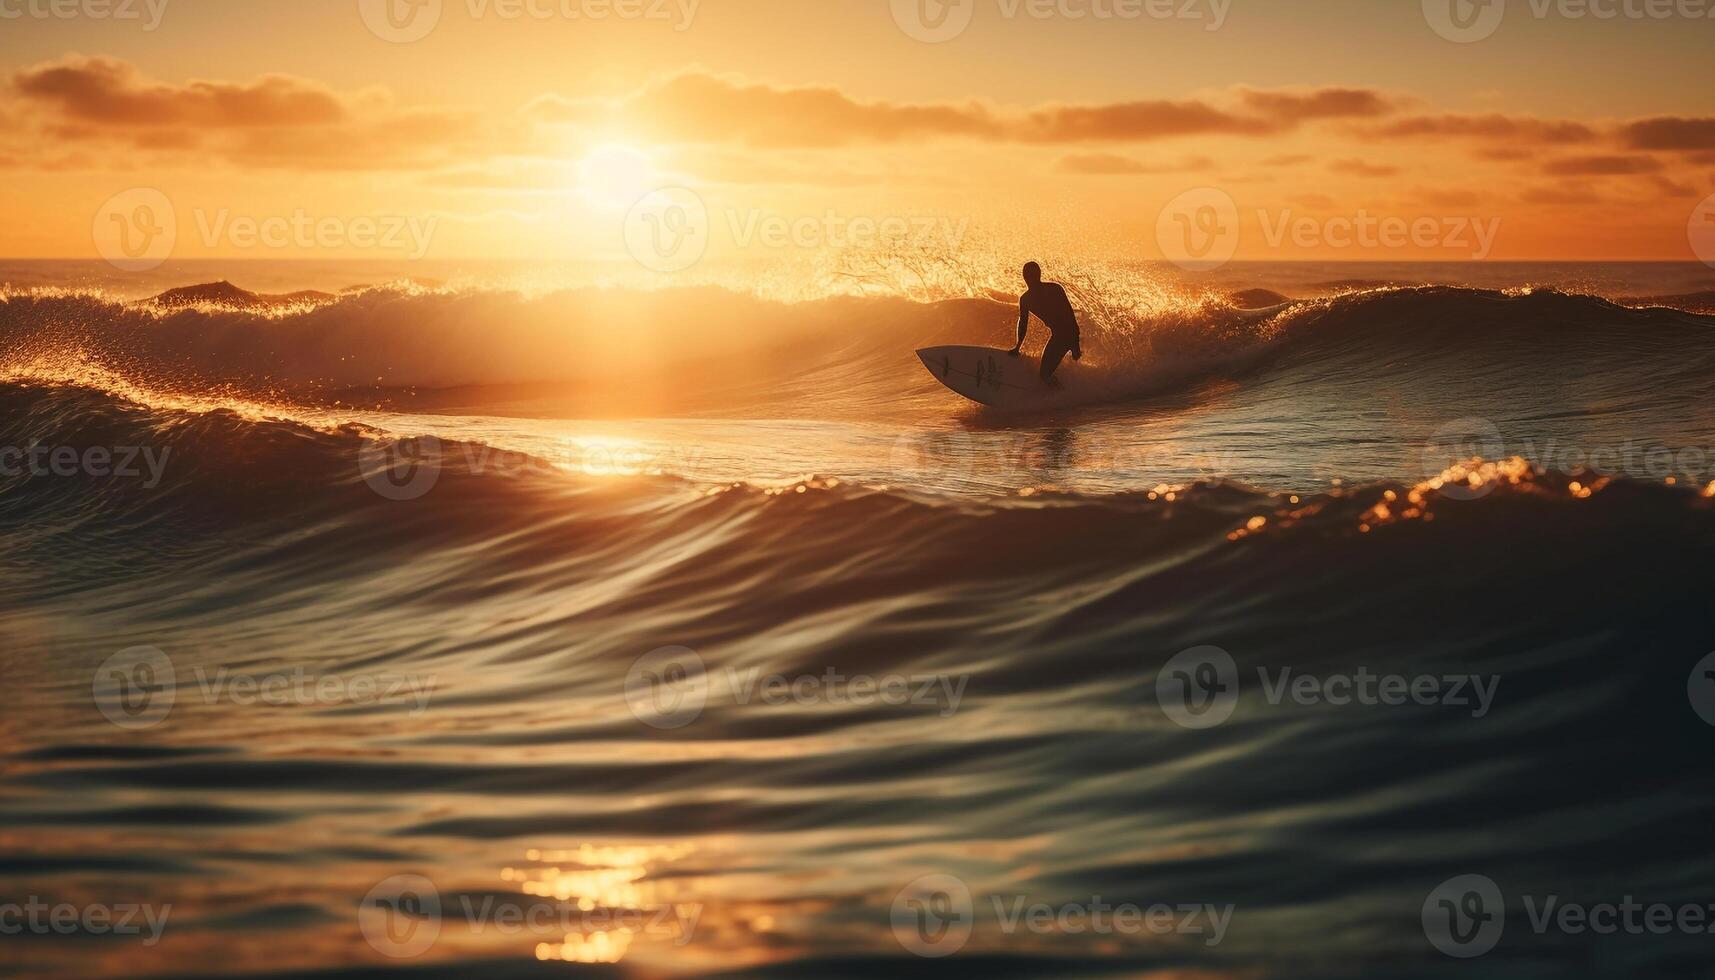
{"x": 529, "y": 128}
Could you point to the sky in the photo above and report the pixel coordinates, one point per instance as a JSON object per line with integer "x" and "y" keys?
{"x": 578, "y": 129}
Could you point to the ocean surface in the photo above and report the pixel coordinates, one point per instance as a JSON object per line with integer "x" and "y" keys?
{"x": 510, "y": 622}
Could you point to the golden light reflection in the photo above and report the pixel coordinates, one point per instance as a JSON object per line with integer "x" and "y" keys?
{"x": 1474, "y": 477}
{"x": 611, "y": 888}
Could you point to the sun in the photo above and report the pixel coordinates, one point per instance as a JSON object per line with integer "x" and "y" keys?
{"x": 614, "y": 175}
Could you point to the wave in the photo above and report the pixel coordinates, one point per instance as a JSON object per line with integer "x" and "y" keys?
{"x": 221, "y": 469}
{"x": 612, "y": 352}
{"x": 524, "y": 592}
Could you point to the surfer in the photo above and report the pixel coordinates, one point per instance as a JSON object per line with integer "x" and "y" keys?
{"x": 1048, "y": 301}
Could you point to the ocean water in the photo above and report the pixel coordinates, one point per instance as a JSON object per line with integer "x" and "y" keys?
{"x": 495, "y": 621}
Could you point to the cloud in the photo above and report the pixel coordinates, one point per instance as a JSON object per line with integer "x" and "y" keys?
{"x": 1446, "y": 197}
{"x": 1490, "y": 126}
{"x": 109, "y": 92}
{"x": 1576, "y": 194}
{"x": 1672, "y": 188}
{"x": 1354, "y": 167}
{"x": 699, "y": 108}
{"x": 704, "y": 108}
{"x": 273, "y": 122}
{"x": 1505, "y": 154}
{"x": 1670, "y": 133}
{"x": 1601, "y": 166}
{"x": 1111, "y": 164}
{"x": 1301, "y": 105}
{"x": 1288, "y": 160}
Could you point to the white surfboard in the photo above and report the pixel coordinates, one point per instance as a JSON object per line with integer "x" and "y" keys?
{"x": 995, "y": 378}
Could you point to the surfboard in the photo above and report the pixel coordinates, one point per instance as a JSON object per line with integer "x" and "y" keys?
{"x": 992, "y": 377}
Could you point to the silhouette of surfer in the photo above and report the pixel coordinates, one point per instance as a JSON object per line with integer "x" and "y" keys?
{"x": 1048, "y": 301}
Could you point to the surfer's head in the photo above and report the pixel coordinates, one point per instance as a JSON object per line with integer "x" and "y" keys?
{"x": 1032, "y": 273}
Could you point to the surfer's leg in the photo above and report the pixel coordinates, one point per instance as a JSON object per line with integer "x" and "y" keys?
{"x": 1052, "y": 355}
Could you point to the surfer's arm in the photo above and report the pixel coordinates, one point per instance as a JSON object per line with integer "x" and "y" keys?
{"x": 1023, "y": 327}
